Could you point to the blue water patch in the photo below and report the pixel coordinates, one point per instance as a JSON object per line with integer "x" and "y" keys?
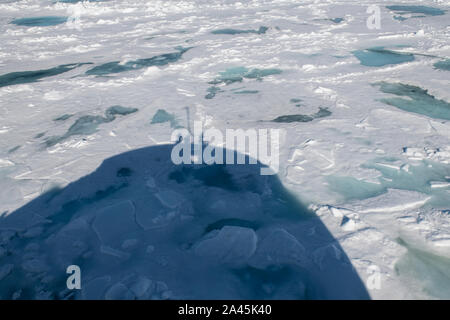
{"x": 117, "y": 110}
{"x": 418, "y": 100}
{"x": 237, "y": 74}
{"x": 22, "y": 77}
{"x": 64, "y": 117}
{"x": 117, "y": 67}
{"x": 417, "y": 178}
{"x": 246, "y": 92}
{"x": 428, "y": 11}
{"x": 14, "y": 149}
{"x": 351, "y": 188}
{"x": 400, "y": 18}
{"x": 88, "y": 124}
{"x": 379, "y": 56}
{"x": 297, "y": 101}
{"x": 212, "y": 91}
{"x": 337, "y": 20}
{"x": 261, "y": 30}
{"x": 443, "y": 65}
{"x": 323, "y": 112}
{"x": 431, "y": 270}
{"x": 162, "y": 116}
{"x": 40, "y": 21}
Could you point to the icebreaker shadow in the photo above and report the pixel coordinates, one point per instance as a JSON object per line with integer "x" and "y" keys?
{"x": 140, "y": 227}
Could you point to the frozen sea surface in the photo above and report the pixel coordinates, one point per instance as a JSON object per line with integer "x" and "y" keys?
{"x": 91, "y": 91}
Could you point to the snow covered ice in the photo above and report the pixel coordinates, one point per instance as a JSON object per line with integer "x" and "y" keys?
{"x": 91, "y": 91}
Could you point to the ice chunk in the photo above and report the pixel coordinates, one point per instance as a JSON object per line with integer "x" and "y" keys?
{"x": 96, "y": 288}
{"x": 279, "y": 248}
{"x": 115, "y": 224}
{"x": 229, "y": 245}
{"x": 119, "y": 292}
{"x": 169, "y": 198}
{"x": 141, "y": 286}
